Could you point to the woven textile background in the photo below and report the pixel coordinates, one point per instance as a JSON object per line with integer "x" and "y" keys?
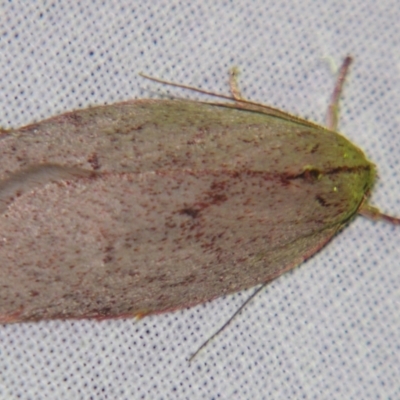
{"x": 328, "y": 330}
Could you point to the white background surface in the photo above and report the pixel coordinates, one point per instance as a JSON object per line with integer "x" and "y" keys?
{"x": 328, "y": 330}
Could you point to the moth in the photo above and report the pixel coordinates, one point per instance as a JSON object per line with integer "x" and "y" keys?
{"x": 147, "y": 206}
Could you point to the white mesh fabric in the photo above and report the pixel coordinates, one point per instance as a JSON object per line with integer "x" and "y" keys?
{"x": 328, "y": 330}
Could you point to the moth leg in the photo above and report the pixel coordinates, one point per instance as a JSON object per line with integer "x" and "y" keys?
{"x": 332, "y": 114}
{"x": 233, "y": 84}
{"x": 373, "y": 213}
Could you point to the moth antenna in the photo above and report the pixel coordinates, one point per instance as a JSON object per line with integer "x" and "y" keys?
{"x": 182, "y": 86}
{"x": 239, "y": 101}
